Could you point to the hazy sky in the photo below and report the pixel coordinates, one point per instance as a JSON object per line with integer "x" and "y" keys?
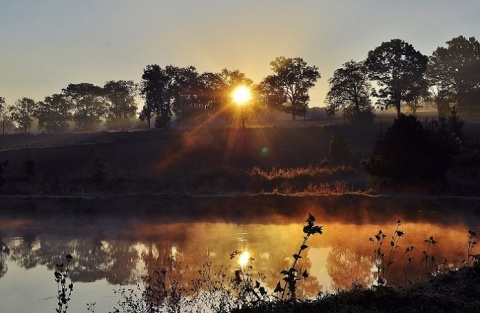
{"x": 47, "y": 44}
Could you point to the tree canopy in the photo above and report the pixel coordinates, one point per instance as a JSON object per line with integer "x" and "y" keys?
{"x": 398, "y": 69}
{"x": 22, "y": 113}
{"x": 287, "y": 89}
{"x": 88, "y": 105}
{"x": 454, "y": 71}
{"x": 121, "y": 106}
{"x": 54, "y": 113}
{"x": 350, "y": 91}
{"x": 152, "y": 90}
{"x": 183, "y": 92}
{"x": 210, "y": 93}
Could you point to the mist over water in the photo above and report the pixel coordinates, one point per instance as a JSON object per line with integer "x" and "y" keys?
{"x": 114, "y": 246}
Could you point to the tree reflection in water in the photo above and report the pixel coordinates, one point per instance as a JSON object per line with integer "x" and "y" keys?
{"x": 4, "y": 252}
{"x": 122, "y": 255}
{"x": 347, "y": 268}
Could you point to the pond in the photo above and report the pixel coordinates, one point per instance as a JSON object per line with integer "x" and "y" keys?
{"x": 116, "y": 249}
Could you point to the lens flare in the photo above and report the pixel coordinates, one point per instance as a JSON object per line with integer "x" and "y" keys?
{"x": 264, "y": 151}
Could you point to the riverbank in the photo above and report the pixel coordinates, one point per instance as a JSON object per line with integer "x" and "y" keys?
{"x": 446, "y": 292}
{"x": 261, "y": 208}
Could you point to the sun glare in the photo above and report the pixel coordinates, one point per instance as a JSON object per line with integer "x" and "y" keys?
{"x": 241, "y": 95}
{"x": 244, "y": 258}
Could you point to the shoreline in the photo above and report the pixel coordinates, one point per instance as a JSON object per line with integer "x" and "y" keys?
{"x": 262, "y": 208}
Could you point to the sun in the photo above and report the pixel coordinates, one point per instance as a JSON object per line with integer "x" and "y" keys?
{"x": 241, "y": 95}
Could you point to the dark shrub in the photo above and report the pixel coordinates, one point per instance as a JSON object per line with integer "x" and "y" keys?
{"x": 409, "y": 153}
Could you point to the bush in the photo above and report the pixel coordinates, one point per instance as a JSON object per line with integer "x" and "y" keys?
{"x": 410, "y": 153}
{"x": 365, "y": 117}
{"x": 338, "y": 150}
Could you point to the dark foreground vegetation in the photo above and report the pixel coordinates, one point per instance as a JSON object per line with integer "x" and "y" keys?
{"x": 451, "y": 292}
{"x": 427, "y": 159}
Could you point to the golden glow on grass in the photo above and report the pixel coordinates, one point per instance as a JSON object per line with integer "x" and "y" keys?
{"x": 244, "y": 258}
{"x": 241, "y": 95}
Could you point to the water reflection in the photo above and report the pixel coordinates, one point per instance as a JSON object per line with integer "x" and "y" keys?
{"x": 194, "y": 239}
{"x": 191, "y": 245}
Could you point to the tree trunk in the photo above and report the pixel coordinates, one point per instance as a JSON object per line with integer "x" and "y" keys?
{"x": 397, "y": 106}
{"x": 294, "y": 115}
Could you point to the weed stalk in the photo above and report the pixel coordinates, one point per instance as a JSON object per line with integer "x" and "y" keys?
{"x": 425, "y": 254}
{"x": 291, "y": 275}
{"x": 64, "y": 291}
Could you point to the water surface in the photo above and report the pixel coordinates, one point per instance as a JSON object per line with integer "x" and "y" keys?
{"x": 113, "y": 250}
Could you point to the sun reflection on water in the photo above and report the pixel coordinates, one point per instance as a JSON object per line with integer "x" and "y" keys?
{"x": 244, "y": 258}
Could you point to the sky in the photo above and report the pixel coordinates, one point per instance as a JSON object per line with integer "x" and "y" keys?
{"x": 47, "y": 44}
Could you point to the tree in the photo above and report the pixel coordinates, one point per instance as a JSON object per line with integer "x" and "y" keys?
{"x": 183, "y": 92}
{"x": 398, "y": 70}
{"x": 3, "y": 113}
{"x": 287, "y": 89}
{"x": 230, "y": 80}
{"x": 210, "y": 85}
{"x": 88, "y": 105}
{"x": 22, "y": 112}
{"x": 121, "y": 106}
{"x": 454, "y": 71}
{"x": 338, "y": 150}
{"x": 152, "y": 88}
{"x": 54, "y": 113}
{"x": 420, "y": 95}
{"x": 402, "y": 154}
{"x": 350, "y": 91}
{"x": 410, "y": 153}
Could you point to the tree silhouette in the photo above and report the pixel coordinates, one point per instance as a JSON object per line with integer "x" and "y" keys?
{"x": 22, "y": 112}
{"x": 402, "y": 155}
{"x": 411, "y": 154}
{"x": 455, "y": 73}
{"x": 183, "y": 91}
{"x": 54, "y": 113}
{"x": 88, "y": 105}
{"x": 121, "y": 107}
{"x": 350, "y": 91}
{"x": 287, "y": 89}
{"x": 338, "y": 150}
{"x": 398, "y": 70}
{"x": 152, "y": 88}
{"x": 3, "y": 113}
{"x": 210, "y": 96}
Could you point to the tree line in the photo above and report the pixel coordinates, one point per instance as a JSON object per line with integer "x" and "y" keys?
{"x": 395, "y": 74}
{"x": 449, "y": 80}
{"x": 85, "y": 105}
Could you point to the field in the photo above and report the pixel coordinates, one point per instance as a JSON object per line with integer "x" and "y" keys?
{"x": 284, "y": 160}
